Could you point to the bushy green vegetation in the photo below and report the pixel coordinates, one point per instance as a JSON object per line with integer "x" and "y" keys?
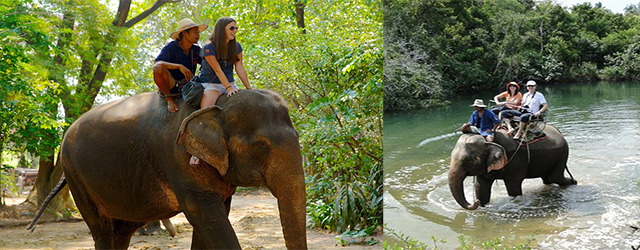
{"x": 26, "y": 123}
{"x": 329, "y": 69}
{"x": 435, "y": 49}
{"x": 466, "y": 243}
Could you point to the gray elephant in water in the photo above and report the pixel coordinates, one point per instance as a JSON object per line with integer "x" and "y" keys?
{"x": 505, "y": 159}
{"x": 125, "y": 167}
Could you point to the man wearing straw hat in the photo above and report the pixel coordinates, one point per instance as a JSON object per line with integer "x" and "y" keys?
{"x": 487, "y": 122}
{"x": 177, "y": 62}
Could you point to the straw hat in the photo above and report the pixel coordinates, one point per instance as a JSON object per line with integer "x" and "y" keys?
{"x": 186, "y": 24}
{"x": 478, "y": 103}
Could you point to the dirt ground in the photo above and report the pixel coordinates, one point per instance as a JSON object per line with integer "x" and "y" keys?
{"x": 254, "y": 217}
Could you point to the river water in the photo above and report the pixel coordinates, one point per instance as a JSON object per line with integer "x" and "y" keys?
{"x": 601, "y": 123}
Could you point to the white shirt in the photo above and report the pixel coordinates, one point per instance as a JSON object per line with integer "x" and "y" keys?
{"x": 533, "y": 102}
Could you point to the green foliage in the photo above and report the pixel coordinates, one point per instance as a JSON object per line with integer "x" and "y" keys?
{"x": 410, "y": 79}
{"x": 496, "y": 243}
{"x": 624, "y": 65}
{"x": 465, "y": 46}
{"x": 28, "y": 112}
{"x": 357, "y": 236}
{"x": 331, "y": 75}
{"x": 7, "y": 182}
{"x": 407, "y": 242}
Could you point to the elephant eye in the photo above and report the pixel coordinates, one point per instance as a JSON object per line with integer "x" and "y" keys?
{"x": 262, "y": 146}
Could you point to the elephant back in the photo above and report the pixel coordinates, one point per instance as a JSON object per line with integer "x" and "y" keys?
{"x": 553, "y": 139}
{"x": 260, "y": 105}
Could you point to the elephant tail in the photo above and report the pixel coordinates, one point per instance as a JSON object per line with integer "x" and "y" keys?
{"x": 54, "y": 192}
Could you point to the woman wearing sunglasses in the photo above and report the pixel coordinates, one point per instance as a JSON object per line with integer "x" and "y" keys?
{"x": 221, "y": 53}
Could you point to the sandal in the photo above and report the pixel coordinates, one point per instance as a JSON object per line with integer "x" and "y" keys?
{"x": 194, "y": 161}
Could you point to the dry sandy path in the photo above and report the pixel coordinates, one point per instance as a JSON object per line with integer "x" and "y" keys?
{"x": 254, "y": 218}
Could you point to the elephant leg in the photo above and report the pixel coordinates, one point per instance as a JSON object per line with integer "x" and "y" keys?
{"x": 122, "y": 232}
{"x": 227, "y": 205}
{"x": 197, "y": 241}
{"x": 208, "y": 214}
{"x": 169, "y": 226}
{"x": 100, "y": 226}
{"x": 109, "y": 233}
{"x": 514, "y": 187}
{"x": 483, "y": 189}
{"x": 556, "y": 175}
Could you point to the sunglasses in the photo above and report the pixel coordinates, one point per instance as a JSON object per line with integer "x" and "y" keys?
{"x": 234, "y": 27}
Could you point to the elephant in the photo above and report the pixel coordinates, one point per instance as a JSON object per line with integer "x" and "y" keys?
{"x": 127, "y": 162}
{"x": 505, "y": 159}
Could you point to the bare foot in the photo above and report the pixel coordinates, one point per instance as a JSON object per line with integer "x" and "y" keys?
{"x": 172, "y": 105}
{"x": 517, "y": 137}
{"x": 510, "y": 131}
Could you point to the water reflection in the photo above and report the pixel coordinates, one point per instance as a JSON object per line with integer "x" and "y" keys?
{"x": 601, "y": 123}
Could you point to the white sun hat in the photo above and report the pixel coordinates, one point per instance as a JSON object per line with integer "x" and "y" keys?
{"x": 186, "y": 24}
{"x": 478, "y": 103}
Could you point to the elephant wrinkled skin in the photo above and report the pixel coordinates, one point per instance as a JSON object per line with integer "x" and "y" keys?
{"x": 473, "y": 156}
{"x": 127, "y": 162}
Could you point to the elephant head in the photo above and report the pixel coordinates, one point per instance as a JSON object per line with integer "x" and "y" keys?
{"x": 250, "y": 139}
{"x": 473, "y": 156}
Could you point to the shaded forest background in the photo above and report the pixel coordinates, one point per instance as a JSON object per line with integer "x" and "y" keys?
{"x": 60, "y": 58}
{"x": 436, "y": 49}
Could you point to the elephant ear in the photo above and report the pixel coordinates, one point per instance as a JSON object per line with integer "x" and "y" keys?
{"x": 496, "y": 156}
{"x": 203, "y": 137}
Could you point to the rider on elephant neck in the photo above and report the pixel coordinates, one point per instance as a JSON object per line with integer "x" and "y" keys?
{"x": 221, "y": 53}
{"x": 487, "y": 122}
{"x": 177, "y": 62}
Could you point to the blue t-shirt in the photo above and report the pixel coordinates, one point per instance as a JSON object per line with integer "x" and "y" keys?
{"x": 207, "y": 74}
{"x": 173, "y": 53}
{"x": 487, "y": 121}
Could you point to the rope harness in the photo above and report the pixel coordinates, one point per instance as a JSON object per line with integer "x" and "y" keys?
{"x": 529, "y": 154}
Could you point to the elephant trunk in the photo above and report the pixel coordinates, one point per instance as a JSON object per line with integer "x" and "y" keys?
{"x": 293, "y": 214}
{"x": 288, "y": 186}
{"x": 456, "y": 180}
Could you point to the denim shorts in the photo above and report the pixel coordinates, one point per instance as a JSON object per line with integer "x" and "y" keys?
{"x": 219, "y": 87}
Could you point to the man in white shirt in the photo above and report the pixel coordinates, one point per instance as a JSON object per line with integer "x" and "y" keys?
{"x": 531, "y": 103}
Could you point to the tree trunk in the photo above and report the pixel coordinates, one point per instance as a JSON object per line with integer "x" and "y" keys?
{"x": 48, "y": 177}
{"x": 80, "y": 102}
{"x": 300, "y": 15}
